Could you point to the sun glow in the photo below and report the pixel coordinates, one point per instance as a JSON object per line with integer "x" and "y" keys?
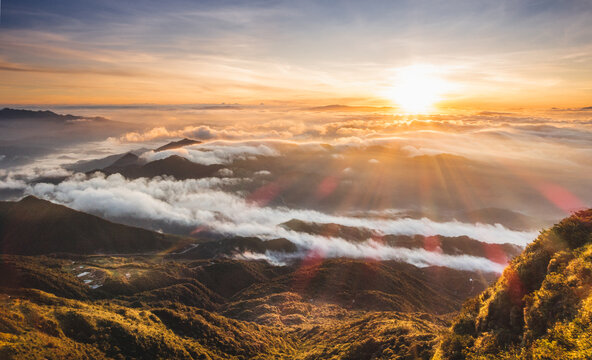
{"x": 416, "y": 89}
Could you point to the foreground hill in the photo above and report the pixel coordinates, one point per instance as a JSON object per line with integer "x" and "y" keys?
{"x": 33, "y": 226}
{"x": 540, "y": 308}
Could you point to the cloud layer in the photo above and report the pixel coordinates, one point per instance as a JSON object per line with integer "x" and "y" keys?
{"x": 213, "y": 153}
{"x": 201, "y": 203}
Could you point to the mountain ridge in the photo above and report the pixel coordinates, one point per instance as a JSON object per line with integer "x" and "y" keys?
{"x": 34, "y": 226}
{"x": 541, "y": 306}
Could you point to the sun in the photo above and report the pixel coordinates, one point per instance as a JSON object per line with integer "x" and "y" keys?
{"x": 417, "y": 88}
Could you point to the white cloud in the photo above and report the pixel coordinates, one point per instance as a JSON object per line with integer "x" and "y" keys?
{"x": 412, "y": 151}
{"x": 200, "y": 202}
{"x": 225, "y": 172}
{"x": 213, "y": 153}
{"x": 9, "y": 183}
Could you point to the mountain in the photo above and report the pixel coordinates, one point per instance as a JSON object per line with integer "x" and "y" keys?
{"x": 510, "y": 219}
{"x": 207, "y": 302}
{"x": 367, "y": 286}
{"x": 233, "y": 246}
{"x": 541, "y": 306}
{"x": 126, "y": 160}
{"x": 204, "y": 302}
{"x": 89, "y": 165}
{"x": 177, "y": 144}
{"x": 460, "y": 245}
{"x": 33, "y": 226}
{"x": 144, "y": 307}
{"x": 8, "y": 114}
{"x": 356, "y": 234}
{"x": 174, "y": 165}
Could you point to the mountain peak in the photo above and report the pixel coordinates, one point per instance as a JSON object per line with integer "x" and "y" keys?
{"x": 30, "y": 199}
{"x": 177, "y": 144}
{"x": 126, "y": 160}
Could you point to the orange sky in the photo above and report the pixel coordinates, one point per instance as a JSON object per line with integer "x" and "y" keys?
{"x": 441, "y": 57}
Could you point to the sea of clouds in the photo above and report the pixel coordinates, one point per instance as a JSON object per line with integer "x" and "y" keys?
{"x": 561, "y": 147}
{"x": 201, "y": 203}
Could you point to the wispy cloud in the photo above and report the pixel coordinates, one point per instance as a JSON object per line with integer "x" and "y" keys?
{"x": 239, "y": 50}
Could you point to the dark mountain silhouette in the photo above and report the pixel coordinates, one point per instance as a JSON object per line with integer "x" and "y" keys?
{"x": 7, "y": 114}
{"x": 541, "y": 307}
{"x": 177, "y": 144}
{"x": 235, "y": 246}
{"x": 126, "y": 160}
{"x": 461, "y": 245}
{"x": 89, "y": 165}
{"x": 345, "y": 232}
{"x": 174, "y": 165}
{"x": 33, "y": 226}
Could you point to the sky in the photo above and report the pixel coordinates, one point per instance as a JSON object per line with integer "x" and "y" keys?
{"x": 413, "y": 56}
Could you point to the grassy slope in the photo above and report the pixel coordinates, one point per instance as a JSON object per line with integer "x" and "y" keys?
{"x": 147, "y": 309}
{"x": 540, "y": 308}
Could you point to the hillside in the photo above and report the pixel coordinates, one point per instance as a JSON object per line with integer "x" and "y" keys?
{"x": 144, "y": 307}
{"x": 176, "y": 166}
{"x": 541, "y": 307}
{"x": 208, "y": 303}
{"x": 33, "y": 226}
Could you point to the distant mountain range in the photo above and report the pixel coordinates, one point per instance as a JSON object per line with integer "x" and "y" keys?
{"x": 180, "y": 168}
{"x": 89, "y": 165}
{"x": 132, "y": 166}
{"x": 461, "y": 245}
{"x": 8, "y": 114}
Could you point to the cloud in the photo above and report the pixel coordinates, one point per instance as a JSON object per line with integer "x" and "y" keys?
{"x": 225, "y": 172}
{"x": 412, "y": 151}
{"x": 10, "y": 183}
{"x": 201, "y": 202}
{"x": 213, "y": 153}
{"x": 417, "y": 257}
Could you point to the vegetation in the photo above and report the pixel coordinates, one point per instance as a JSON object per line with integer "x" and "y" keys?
{"x": 150, "y": 309}
{"x": 540, "y": 308}
{"x": 202, "y": 306}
